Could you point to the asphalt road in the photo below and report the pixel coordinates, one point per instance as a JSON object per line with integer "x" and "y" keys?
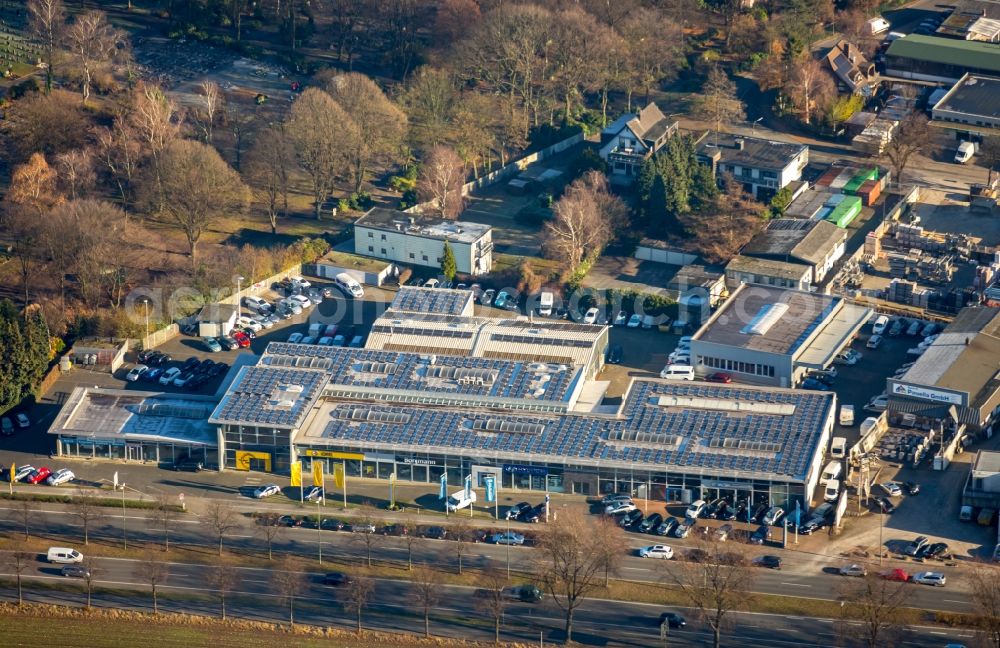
{"x": 802, "y": 575}
{"x": 393, "y": 608}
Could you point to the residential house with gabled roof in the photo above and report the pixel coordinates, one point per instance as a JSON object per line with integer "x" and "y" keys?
{"x": 632, "y": 139}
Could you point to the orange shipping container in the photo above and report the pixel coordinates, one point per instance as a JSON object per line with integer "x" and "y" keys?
{"x": 869, "y": 192}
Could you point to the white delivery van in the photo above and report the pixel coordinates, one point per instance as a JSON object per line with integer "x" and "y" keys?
{"x": 349, "y": 285}
{"x": 64, "y": 555}
{"x": 878, "y": 25}
{"x": 831, "y": 490}
{"x": 545, "y": 303}
{"x": 847, "y": 415}
{"x": 838, "y": 447}
{"x": 965, "y": 152}
{"x": 458, "y": 500}
{"x": 832, "y": 471}
{"x": 677, "y": 372}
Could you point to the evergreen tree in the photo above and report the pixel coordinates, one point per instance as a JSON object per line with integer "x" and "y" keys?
{"x": 448, "y": 267}
{"x": 24, "y": 352}
{"x": 674, "y": 183}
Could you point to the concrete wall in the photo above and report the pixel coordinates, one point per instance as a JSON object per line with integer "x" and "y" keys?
{"x": 329, "y": 271}
{"x": 671, "y": 257}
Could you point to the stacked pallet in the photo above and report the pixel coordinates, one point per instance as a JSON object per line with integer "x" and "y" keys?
{"x": 900, "y": 291}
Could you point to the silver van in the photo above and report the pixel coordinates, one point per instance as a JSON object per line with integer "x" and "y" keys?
{"x": 64, "y": 555}
{"x": 677, "y": 372}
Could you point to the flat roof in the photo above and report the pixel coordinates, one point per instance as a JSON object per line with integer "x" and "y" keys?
{"x": 966, "y": 355}
{"x": 102, "y": 413}
{"x": 973, "y": 95}
{"x": 691, "y": 427}
{"x": 414, "y": 299}
{"x": 768, "y": 267}
{"x": 802, "y": 314}
{"x": 834, "y": 335}
{"x": 271, "y": 396}
{"x": 987, "y": 461}
{"x": 393, "y": 220}
{"x": 947, "y": 51}
{"x": 755, "y": 152}
{"x": 810, "y": 241}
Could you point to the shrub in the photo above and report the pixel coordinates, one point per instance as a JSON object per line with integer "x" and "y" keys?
{"x": 588, "y": 160}
{"x": 404, "y": 276}
{"x": 409, "y": 199}
{"x": 360, "y": 200}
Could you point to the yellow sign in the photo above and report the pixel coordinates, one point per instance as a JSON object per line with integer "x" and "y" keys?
{"x": 243, "y": 458}
{"x": 317, "y": 467}
{"x": 297, "y": 473}
{"x": 338, "y": 475}
{"x": 329, "y": 454}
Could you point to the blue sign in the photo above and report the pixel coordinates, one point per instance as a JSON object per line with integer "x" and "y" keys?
{"x": 798, "y": 513}
{"x": 443, "y": 492}
{"x": 491, "y": 488}
{"x": 516, "y": 469}
{"x": 468, "y": 487}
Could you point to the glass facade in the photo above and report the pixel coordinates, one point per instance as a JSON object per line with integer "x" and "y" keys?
{"x": 146, "y": 451}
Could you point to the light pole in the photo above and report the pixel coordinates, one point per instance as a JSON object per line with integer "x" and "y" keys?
{"x": 753, "y": 126}
{"x": 239, "y": 282}
{"x": 508, "y": 549}
{"x": 319, "y": 527}
{"x": 145, "y": 304}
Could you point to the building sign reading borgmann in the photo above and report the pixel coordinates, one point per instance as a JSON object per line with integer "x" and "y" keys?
{"x": 926, "y": 394}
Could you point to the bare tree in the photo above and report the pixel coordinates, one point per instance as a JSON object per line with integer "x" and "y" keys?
{"x": 269, "y": 162}
{"x": 211, "y": 98}
{"x": 427, "y": 590}
{"x": 357, "y": 594}
{"x": 241, "y": 122}
{"x": 716, "y": 585}
{"x": 492, "y": 599}
{"x": 268, "y": 528}
{"x": 90, "y": 572}
{"x": 718, "y": 100}
{"x": 985, "y": 585}
{"x": 153, "y": 117}
{"x": 585, "y": 220}
{"x": 364, "y": 536}
{"x": 809, "y": 86}
{"x": 87, "y": 511}
{"x": 320, "y": 130}
{"x": 75, "y": 171}
{"x": 878, "y": 604}
{"x": 119, "y": 152}
{"x": 164, "y": 514}
{"x": 460, "y": 533}
{"x": 196, "y": 188}
{"x": 220, "y": 519}
{"x": 611, "y": 537}
{"x": 26, "y": 231}
{"x": 288, "y": 582}
{"x": 442, "y": 175}
{"x": 24, "y": 514}
{"x": 93, "y": 43}
{"x": 909, "y": 138}
{"x": 410, "y": 539}
{"x": 570, "y": 562}
{"x": 19, "y": 562}
{"x": 223, "y": 579}
{"x": 154, "y": 571}
{"x": 46, "y": 21}
{"x": 653, "y": 45}
{"x": 366, "y": 105}
{"x": 33, "y": 185}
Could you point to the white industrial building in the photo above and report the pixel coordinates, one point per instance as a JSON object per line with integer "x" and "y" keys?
{"x": 414, "y": 239}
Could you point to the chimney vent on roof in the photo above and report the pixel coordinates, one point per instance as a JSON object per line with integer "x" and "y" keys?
{"x": 739, "y": 144}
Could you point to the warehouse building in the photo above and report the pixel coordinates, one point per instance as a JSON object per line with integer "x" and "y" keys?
{"x": 414, "y": 239}
{"x": 930, "y": 58}
{"x": 970, "y": 109}
{"x": 956, "y": 380}
{"x": 813, "y": 244}
{"x": 774, "y": 336}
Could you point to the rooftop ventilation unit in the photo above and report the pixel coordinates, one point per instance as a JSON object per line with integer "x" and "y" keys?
{"x": 765, "y": 318}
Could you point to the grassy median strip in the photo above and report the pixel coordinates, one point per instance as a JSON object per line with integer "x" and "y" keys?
{"x": 94, "y": 501}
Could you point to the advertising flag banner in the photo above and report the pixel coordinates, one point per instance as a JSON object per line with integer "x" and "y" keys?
{"x": 338, "y": 475}
{"x": 468, "y": 487}
{"x": 443, "y": 491}
{"x": 297, "y": 474}
{"x": 317, "y": 469}
{"x": 491, "y": 488}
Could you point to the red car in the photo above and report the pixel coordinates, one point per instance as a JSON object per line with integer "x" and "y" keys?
{"x": 719, "y": 377}
{"x": 241, "y": 339}
{"x": 39, "y": 476}
{"x": 897, "y": 575}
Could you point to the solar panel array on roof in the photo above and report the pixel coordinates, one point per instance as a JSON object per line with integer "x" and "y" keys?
{"x": 500, "y": 425}
{"x": 431, "y": 300}
{"x": 422, "y": 332}
{"x": 251, "y": 397}
{"x": 591, "y": 329}
{"x": 539, "y": 339}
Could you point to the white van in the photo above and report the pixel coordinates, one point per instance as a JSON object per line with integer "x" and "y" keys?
{"x": 878, "y": 328}
{"x": 831, "y": 490}
{"x": 838, "y": 447}
{"x": 458, "y": 500}
{"x": 677, "y": 372}
{"x": 64, "y": 555}
{"x": 878, "y": 25}
{"x": 349, "y": 285}
{"x": 964, "y": 152}
{"x": 847, "y": 415}
{"x": 832, "y": 471}
{"x": 545, "y": 303}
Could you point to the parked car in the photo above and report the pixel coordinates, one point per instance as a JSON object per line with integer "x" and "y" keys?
{"x": 301, "y": 301}
{"x": 615, "y": 354}
{"x": 22, "y": 420}
{"x": 38, "y": 475}
{"x": 874, "y": 342}
{"x": 515, "y": 511}
{"x": 266, "y": 490}
{"x": 248, "y": 323}
{"x": 136, "y": 373}
{"x": 242, "y": 339}
{"x": 435, "y": 533}
{"x": 648, "y": 321}
{"x": 6, "y": 426}
{"x": 22, "y": 472}
{"x": 630, "y": 519}
{"x": 169, "y": 375}
{"x": 620, "y": 318}
{"x": 487, "y": 297}
{"x": 614, "y": 498}
{"x": 695, "y": 509}
{"x": 212, "y": 344}
{"x": 188, "y": 463}
{"x": 501, "y": 299}
{"x": 667, "y": 526}
{"x": 935, "y": 550}
{"x": 936, "y": 579}
{"x": 773, "y": 515}
{"x": 761, "y": 535}
{"x": 891, "y": 489}
{"x": 525, "y": 593}
{"x": 532, "y": 514}
{"x": 886, "y": 506}
{"x": 814, "y": 384}
{"x": 228, "y": 343}
{"x": 897, "y": 327}
{"x": 76, "y": 571}
{"x": 313, "y": 494}
{"x": 619, "y": 508}
{"x": 856, "y": 571}
{"x": 771, "y": 562}
{"x": 683, "y": 529}
{"x": 723, "y": 532}
{"x": 662, "y": 552}
{"x": 878, "y": 403}
{"x": 184, "y": 379}
{"x": 60, "y": 476}
{"x": 590, "y": 317}
{"x": 650, "y": 523}
{"x": 897, "y": 574}
{"x": 916, "y": 546}
{"x": 719, "y": 377}
{"x": 912, "y": 487}
{"x": 635, "y": 321}
{"x": 507, "y": 538}
{"x": 336, "y": 579}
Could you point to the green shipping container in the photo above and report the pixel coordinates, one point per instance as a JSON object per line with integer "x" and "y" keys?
{"x": 844, "y": 213}
{"x": 859, "y": 179}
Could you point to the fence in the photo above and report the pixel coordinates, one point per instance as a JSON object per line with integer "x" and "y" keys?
{"x": 156, "y": 338}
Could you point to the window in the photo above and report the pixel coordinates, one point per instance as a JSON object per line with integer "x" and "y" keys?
{"x": 383, "y": 250}
{"x": 748, "y": 368}
{"x": 371, "y": 248}
{"x": 383, "y": 237}
{"x": 412, "y": 255}
{"x": 371, "y": 235}
{"x": 423, "y": 256}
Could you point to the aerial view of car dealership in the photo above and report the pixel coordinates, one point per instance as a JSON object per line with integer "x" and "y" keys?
{"x": 469, "y": 322}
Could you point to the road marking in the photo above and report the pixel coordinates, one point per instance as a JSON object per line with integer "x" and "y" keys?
{"x": 795, "y": 584}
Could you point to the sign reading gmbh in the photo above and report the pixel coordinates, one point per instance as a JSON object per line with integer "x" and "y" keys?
{"x": 926, "y": 394}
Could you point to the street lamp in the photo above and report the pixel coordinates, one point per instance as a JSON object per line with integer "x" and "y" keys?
{"x": 145, "y": 304}
{"x": 239, "y": 281}
{"x": 753, "y": 126}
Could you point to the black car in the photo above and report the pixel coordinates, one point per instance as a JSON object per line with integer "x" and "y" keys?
{"x": 673, "y": 620}
{"x": 630, "y": 519}
{"x": 395, "y": 530}
{"x": 228, "y": 343}
{"x": 205, "y": 366}
{"x": 615, "y": 354}
{"x": 514, "y": 512}
{"x": 742, "y": 511}
{"x": 435, "y": 533}
{"x": 667, "y": 526}
{"x": 157, "y": 359}
{"x": 912, "y": 488}
{"x": 771, "y": 562}
{"x": 188, "y": 463}
{"x": 144, "y": 357}
{"x": 808, "y": 527}
{"x": 331, "y": 524}
{"x": 886, "y": 505}
{"x": 935, "y": 550}
{"x": 152, "y": 374}
{"x": 650, "y": 524}
{"x": 336, "y": 579}
{"x": 713, "y": 509}
{"x": 525, "y": 593}
{"x": 758, "y": 513}
{"x": 532, "y": 514}
{"x": 190, "y": 364}
{"x": 761, "y": 535}
{"x": 247, "y": 332}
{"x": 726, "y": 512}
